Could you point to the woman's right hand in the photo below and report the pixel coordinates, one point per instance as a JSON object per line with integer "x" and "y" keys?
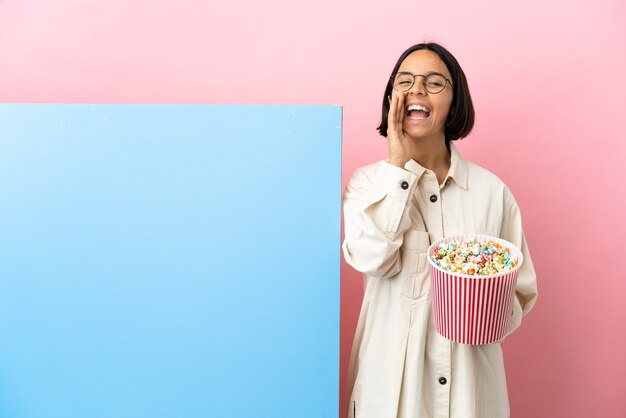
{"x": 397, "y": 140}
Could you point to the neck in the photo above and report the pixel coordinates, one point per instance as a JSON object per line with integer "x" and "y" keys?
{"x": 432, "y": 153}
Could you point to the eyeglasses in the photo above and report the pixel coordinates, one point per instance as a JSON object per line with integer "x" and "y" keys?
{"x": 433, "y": 83}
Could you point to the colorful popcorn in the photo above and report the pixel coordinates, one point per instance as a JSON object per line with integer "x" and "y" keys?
{"x": 474, "y": 258}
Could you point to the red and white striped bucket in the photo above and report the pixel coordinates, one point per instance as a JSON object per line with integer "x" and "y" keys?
{"x": 473, "y": 309}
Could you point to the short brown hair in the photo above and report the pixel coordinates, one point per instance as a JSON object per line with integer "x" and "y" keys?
{"x": 460, "y": 119}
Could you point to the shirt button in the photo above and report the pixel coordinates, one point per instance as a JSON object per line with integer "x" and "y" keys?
{"x": 442, "y": 380}
{"x": 433, "y": 198}
{"x": 404, "y": 185}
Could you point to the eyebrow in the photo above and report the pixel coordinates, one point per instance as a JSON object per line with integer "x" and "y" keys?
{"x": 428, "y": 73}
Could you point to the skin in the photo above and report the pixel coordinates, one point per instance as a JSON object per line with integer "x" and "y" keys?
{"x": 423, "y": 140}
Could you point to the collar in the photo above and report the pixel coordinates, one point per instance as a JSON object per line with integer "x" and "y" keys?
{"x": 459, "y": 167}
{"x": 458, "y": 171}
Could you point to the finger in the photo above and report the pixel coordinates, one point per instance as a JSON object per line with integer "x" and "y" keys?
{"x": 401, "y": 111}
{"x": 398, "y": 109}
{"x": 391, "y": 115}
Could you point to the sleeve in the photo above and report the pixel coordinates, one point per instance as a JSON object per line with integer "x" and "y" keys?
{"x": 526, "y": 290}
{"x": 375, "y": 207}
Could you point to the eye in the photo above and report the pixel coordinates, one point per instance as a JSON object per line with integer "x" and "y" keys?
{"x": 435, "y": 81}
{"x": 403, "y": 81}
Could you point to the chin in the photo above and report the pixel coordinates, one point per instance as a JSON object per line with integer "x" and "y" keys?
{"x": 422, "y": 134}
{"x": 418, "y": 133}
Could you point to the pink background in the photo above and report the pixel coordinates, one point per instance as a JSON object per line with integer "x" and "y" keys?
{"x": 547, "y": 83}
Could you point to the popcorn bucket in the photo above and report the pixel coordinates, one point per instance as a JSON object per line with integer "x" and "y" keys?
{"x": 473, "y": 309}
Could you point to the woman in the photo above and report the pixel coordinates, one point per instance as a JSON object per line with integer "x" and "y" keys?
{"x": 393, "y": 209}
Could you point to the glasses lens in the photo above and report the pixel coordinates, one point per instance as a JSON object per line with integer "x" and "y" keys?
{"x": 435, "y": 83}
{"x": 403, "y": 81}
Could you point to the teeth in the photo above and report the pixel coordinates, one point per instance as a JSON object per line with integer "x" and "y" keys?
{"x": 417, "y": 107}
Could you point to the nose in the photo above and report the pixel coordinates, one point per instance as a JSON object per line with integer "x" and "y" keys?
{"x": 418, "y": 86}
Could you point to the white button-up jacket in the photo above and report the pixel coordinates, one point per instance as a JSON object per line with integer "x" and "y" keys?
{"x": 400, "y": 367}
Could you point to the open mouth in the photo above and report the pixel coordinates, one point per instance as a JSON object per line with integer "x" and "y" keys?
{"x": 417, "y": 112}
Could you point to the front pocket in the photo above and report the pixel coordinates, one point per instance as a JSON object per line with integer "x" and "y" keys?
{"x": 416, "y": 240}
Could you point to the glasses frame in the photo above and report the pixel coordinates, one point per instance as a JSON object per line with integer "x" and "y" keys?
{"x": 393, "y": 78}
